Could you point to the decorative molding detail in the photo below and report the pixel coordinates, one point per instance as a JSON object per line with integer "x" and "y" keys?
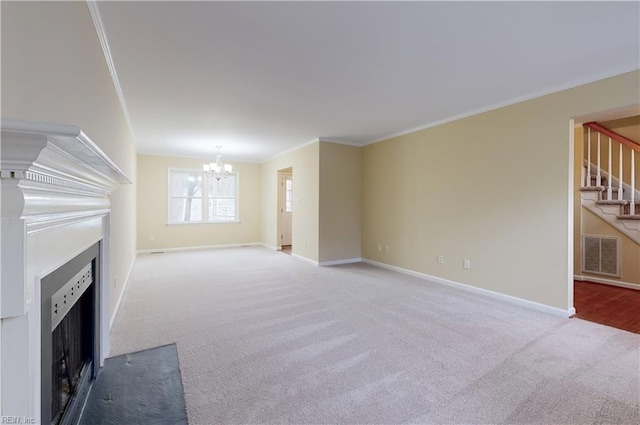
{"x": 51, "y": 175}
{"x": 497, "y": 295}
{"x": 47, "y": 222}
{"x": 610, "y": 282}
{"x": 338, "y": 262}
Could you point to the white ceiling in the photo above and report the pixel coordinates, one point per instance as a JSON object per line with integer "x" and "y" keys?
{"x": 262, "y": 78}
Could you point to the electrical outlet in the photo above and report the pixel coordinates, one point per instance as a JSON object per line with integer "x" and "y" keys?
{"x": 440, "y": 259}
{"x": 304, "y": 243}
{"x": 152, "y": 237}
{"x": 386, "y": 248}
{"x": 466, "y": 264}
{"x": 380, "y": 247}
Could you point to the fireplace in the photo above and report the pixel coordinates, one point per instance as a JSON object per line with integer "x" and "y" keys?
{"x": 70, "y": 338}
{"x": 54, "y": 268}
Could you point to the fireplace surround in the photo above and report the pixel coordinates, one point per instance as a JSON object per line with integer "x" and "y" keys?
{"x": 55, "y": 185}
{"x": 70, "y": 337}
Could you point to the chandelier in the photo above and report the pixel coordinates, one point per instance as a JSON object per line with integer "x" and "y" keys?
{"x": 217, "y": 169}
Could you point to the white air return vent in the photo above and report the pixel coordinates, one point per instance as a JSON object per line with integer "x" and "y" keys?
{"x": 601, "y": 255}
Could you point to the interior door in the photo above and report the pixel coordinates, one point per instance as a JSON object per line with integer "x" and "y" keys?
{"x": 286, "y": 209}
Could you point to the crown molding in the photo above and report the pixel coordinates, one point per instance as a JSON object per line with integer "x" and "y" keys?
{"x": 498, "y": 105}
{"x": 102, "y": 36}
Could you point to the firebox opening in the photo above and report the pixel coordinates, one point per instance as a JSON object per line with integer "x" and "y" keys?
{"x": 70, "y": 336}
{"x": 72, "y": 353}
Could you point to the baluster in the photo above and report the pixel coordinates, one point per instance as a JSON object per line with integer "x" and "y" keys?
{"x": 632, "y": 206}
{"x": 620, "y": 173}
{"x": 598, "y": 175}
{"x": 588, "y": 156}
{"x": 610, "y": 171}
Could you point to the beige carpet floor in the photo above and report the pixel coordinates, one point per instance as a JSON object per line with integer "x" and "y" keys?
{"x": 265, "y": 338}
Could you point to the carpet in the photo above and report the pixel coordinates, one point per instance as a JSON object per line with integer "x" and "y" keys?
{"x": 137, "y": 389}
{"x": 265, "y": 338}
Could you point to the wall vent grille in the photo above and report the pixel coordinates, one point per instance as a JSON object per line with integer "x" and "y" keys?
{"x": 601, "y": 255}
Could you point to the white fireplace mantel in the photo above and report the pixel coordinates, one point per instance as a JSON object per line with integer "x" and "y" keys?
{"x": 54, "y": 202}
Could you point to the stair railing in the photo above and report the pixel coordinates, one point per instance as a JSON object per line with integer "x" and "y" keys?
{"x": 622, "y": 141}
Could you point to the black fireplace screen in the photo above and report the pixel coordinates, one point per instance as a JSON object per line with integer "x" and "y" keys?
{"x": 70, "y": 336}
{"x": 72, "y": 348}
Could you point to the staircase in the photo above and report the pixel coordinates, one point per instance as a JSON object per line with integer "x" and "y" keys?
{"x": 614, "y": 198}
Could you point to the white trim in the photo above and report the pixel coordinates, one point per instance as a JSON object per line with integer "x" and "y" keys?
{"x": 271, "y": 247}
{"x": 498, "y": 105}
{"x": 337, "y": 262}
{"x": 124, "y": 288}
{"x": 503, "y": 297}
{"x": 201, "y": 157}
{"x": 200, "y": 247}
{"x": 102, "y": 36}
{"x": 305, "y": 259}
{"x": 570, "y": 215}
{"x": 340, "y": 142}
{"x": 610, "y": 282}
{"x": 615, "y": 181}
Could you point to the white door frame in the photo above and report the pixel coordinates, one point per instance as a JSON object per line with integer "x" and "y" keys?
{"x": 279, "y": 205}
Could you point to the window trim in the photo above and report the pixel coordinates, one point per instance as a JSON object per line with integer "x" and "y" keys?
{"x": 204, "y": 198}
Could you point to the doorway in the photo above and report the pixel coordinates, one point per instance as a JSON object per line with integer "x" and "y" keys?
{"x": 285, "y": 209}
{"x": 606, "y": 281}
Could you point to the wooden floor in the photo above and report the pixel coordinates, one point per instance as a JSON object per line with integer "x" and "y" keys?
{"x": 608, "y": 305}
{"x": 286, "y": 249}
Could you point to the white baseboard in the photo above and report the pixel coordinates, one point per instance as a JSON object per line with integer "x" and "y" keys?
{"x": 271, "y": 247}
{"x": 618, "y": 283}
{"x": 337, "y": 262}
{"x": 300, "y": 257}
{"x": 497, "y": 295}
{"x": 193, "y": 248}
{"x": 124, "y": 288}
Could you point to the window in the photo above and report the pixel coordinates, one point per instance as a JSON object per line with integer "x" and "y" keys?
{"x": 194, "y": 198}
{"x": 288, "y": 191}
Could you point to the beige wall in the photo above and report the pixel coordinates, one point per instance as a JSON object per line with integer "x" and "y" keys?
{"x": 494, "y": 188}
{"x": 305, "y": 163}
{"x": 152, "y": 207}
{"x": 53, "y": 70}
{"x": 587, "y": 223}
{"x": 628, "y": 127}
{"x": 340, "y": 202}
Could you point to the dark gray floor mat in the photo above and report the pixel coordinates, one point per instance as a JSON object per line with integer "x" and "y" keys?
{"x": 138, "y": 388}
